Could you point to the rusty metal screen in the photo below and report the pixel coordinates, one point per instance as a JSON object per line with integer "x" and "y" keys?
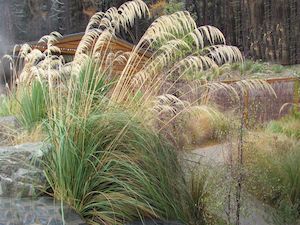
{"x": 261, "y": 105}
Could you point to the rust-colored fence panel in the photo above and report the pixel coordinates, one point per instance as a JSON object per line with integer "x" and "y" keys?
{"x": 261, "y": 105}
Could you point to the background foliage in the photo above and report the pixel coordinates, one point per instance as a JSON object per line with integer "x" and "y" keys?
{"x": 266, "y": 30}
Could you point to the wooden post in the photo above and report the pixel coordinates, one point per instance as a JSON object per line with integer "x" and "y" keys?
{"x": 246, "y": 107}
{"x": 296, "y": 97}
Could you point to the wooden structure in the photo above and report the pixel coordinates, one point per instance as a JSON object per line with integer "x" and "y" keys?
{"x": 68, "y": 45}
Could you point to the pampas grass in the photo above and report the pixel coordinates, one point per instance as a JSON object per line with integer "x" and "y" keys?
{"x": 107, "y": 157}
{"x": 176, "y": 46}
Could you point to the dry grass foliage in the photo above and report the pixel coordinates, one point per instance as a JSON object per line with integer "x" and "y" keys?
{"x": 33, "y": 136}
{"x": 262, "y": 142}
{"x": 203, "y": 125}
{"x": 23, "y": 136}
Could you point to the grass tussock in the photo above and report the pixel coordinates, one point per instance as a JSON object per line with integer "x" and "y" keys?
{"x": 27, "y": 103}
{"x": 113, "y": 170}
{"x": 203, "y": 125}
{"x": 33, "y": 108}
{"x": 9, "y": 105}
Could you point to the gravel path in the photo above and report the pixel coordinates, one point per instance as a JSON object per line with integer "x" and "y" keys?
{"x": 257, "y": 212}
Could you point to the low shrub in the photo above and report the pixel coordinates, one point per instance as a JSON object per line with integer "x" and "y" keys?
{"x": 272, "y": 161}
{"x": 289, "y": 125}
{"x": 205, "y": 124}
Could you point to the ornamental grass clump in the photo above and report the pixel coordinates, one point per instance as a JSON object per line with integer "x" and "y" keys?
{"x": 112, "y": 170}
{"x": 106, "y": 162}
{"x": 174, "y": 46}
{"x": 108, "y": 158}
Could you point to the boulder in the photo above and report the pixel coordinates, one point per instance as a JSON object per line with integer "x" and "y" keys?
{"x": 21, "y": 182}
{"x": 20, "y": 175}
{"x": 41, "y": 211}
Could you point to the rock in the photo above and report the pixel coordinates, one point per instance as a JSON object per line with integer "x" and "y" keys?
{"x": 40, "y": 211}
{"x": 19, "y": 172}
{"x": 21, "y": 179}
{"x": 9, "y": 126}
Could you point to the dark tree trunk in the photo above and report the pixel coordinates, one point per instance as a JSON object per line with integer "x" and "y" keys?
{"x": 263, "y": 29}
{"x": 197, "y": 8}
